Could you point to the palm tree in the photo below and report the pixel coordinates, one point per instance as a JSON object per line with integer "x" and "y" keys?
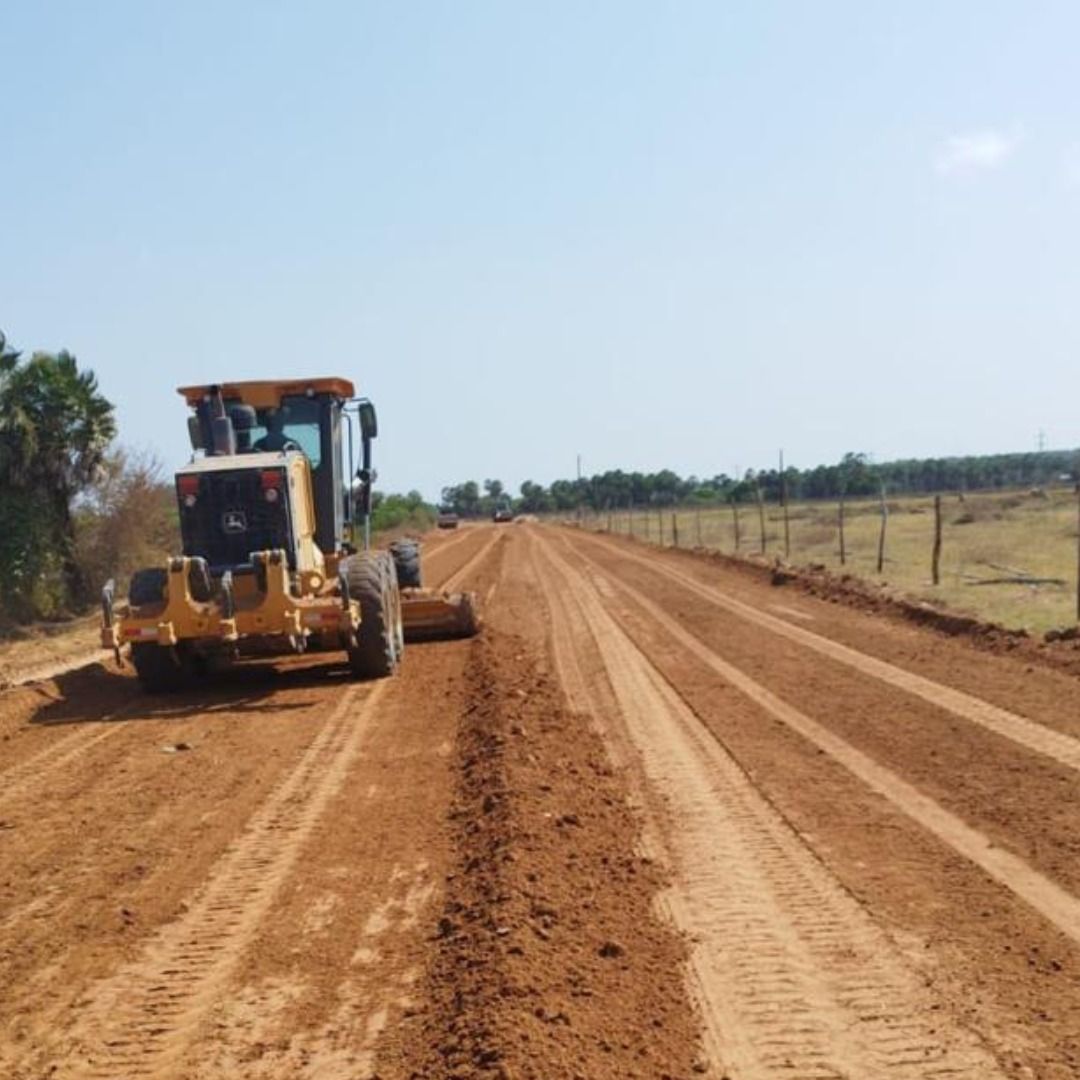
{"x": 54, "y": 429}
{"x": 16, "y": 429}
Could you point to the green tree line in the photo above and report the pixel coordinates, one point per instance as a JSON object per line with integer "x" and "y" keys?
{"x": 853, "y": 476}
{"x": 467, "y": 500}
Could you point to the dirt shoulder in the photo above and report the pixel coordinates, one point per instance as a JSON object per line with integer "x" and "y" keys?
{"x": 1058, "y": 649}
{"x": 45, "y": 650}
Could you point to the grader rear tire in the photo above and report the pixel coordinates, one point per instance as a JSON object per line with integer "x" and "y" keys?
{"x": 372, "y": 580}
{"x": 406, "y": 554}
{"x": 162, "y": 669}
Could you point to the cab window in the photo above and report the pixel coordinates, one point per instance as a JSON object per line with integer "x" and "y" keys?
{"x": 297, "y": 421}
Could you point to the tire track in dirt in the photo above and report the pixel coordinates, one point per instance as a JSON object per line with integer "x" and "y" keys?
{"x": 38, "y": 770}
{"x": 1045, "y": 896}
{"x": 367, "y": 989}
{"x": 442, "y": 561}
{"x": 18, "y": 779}
{"x": 147, "y": 1016}
{"x": 792, "y": 975}
{"x": 141, "y": 1018}
{"x": 444, "y": 543}
{"x": 455, "y": 579}
{"x": 1062, "y": 748}
{"x": 436, "y": 551}
{"x": 22, "y": 776}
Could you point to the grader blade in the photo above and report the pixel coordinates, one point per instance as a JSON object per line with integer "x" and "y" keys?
{"x": 431, "y": 615}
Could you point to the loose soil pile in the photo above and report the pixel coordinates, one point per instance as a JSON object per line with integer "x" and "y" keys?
{"x": 549, "y": 958}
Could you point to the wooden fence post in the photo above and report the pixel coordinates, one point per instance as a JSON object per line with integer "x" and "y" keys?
{"x": 674, "y": 528}
{"x": 840, "y": 517}
{"x": 735, "y": 516}
{"x": 761, "y": 514}
{"x": 935, "y": 567}
{"x": 660, "y": 524}
{"x": 698, "y": 523}
{"x": 881, "y": 537}
{"x": 784, "y": 507}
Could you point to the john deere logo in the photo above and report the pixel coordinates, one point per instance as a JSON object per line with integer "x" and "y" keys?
{"x": 234, "y": 521}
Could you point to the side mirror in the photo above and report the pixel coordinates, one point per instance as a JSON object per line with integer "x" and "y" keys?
{"x": 195, "y": 433}
{"x": 369, "y": 423}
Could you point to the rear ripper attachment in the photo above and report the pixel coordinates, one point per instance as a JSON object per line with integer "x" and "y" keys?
{"x": 268, "y": 515}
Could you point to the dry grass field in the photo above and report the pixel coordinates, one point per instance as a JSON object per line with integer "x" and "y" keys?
{"x": 985, "y": 536}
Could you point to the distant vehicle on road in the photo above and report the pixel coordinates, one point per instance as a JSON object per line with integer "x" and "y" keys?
{"x": 446, "y": 519}
{"x": 503, "y": 513}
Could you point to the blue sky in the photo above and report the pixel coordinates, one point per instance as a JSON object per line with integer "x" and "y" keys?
{"x": 659, "y": 235}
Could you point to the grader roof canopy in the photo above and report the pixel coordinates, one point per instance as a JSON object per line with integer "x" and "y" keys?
{"x": 268, "y": 394}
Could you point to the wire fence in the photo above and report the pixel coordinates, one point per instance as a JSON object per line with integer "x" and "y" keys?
{"x": 1011, "y": 557}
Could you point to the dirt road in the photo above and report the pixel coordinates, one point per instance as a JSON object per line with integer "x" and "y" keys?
{"x": 660, "y": 820}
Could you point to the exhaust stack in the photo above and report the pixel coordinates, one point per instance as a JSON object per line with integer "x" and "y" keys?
{"x": 222, "y": 432}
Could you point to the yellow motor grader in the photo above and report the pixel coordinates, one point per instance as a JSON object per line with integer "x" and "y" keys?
{"x": 275, "y": 526}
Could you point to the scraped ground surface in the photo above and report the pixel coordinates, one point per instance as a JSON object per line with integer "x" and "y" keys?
{"x": 660, "y": 820}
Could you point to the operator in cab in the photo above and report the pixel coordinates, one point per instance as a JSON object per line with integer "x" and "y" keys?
{"x": 275, "y": 438}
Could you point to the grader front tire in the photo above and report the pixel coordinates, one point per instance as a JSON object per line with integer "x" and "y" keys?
{"x": 372, "y": 581}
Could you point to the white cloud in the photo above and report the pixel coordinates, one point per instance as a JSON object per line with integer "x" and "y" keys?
{"x": 975, "y": 151}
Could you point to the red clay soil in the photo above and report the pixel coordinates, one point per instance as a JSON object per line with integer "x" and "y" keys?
{"x": 991, "y": 961}
{"x": 663, "y": 819}
{"x": 283, "y": 874}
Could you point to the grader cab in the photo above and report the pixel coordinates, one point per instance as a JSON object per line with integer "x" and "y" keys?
{"x": 276, "y": 559}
